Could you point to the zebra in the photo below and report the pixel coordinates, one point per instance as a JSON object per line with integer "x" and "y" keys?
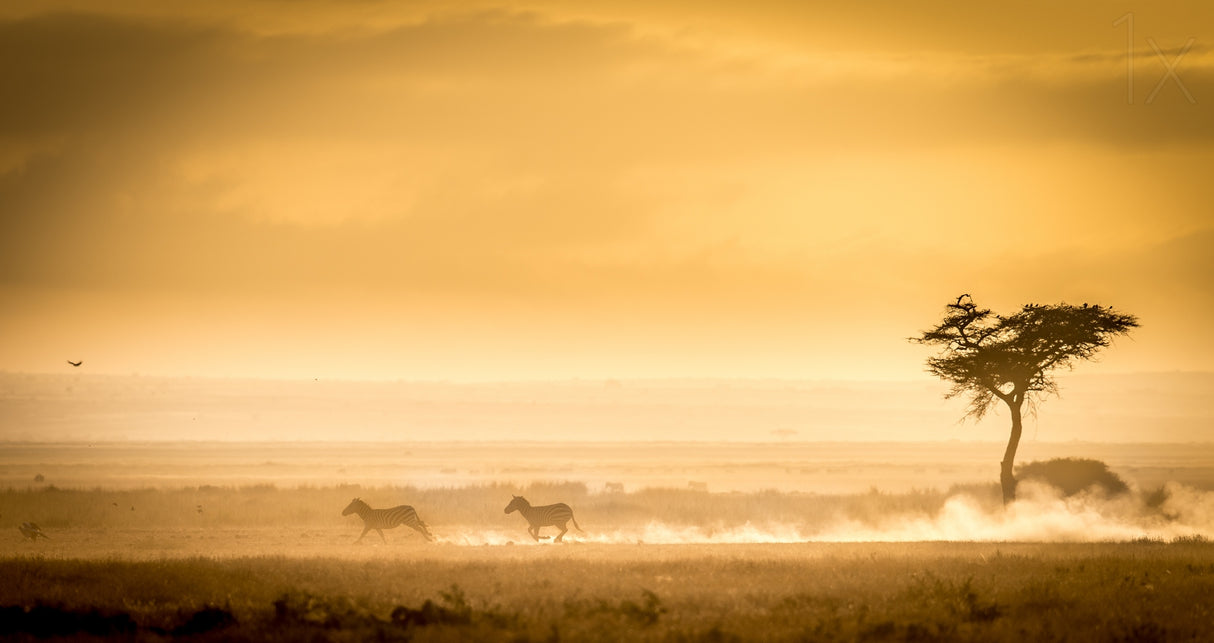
{"x": 380, "y": 519}
{"x": 556, "y": 515}
{"x": 31, "y": 531}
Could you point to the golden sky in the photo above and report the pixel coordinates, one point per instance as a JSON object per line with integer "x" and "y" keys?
{"x": 502, "y": 190}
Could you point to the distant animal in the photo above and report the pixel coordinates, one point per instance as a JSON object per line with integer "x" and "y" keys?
{"x": 75, "y": 363}
{"x": 557, "y": 515}
{"x": 31, "y": 531}
{"x": 380, "y": 519}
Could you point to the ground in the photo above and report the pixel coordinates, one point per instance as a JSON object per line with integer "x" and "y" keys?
{"x": 145, "y": 553}
{"x": 257, "y": 584}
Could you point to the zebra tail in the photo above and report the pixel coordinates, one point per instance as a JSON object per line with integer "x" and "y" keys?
{"x": 579, "y": 527}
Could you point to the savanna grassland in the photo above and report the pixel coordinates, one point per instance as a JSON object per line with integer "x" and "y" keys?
{"x": 1137, "y": 591}
{"x": 259, "y": 562}
{"x": 142, "y": 546}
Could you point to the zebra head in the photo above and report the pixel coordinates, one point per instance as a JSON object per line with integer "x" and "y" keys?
{"x": 517, "y": 504}
{"x": 354, "y": 506}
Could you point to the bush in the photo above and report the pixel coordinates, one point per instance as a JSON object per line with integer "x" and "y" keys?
{"x": 1073, "y": 475}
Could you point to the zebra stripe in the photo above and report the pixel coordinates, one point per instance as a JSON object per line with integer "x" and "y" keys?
{"x": 380, "y": 519}
{"x": 543, "y": 516}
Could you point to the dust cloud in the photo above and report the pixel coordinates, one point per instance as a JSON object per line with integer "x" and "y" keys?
{"x": 653, "y": 533}
{"x": 1039, "y": 515}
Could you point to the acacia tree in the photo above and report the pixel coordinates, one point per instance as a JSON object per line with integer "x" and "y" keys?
{"x": 992, "y": 358}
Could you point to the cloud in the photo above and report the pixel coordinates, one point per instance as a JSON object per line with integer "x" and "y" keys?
{"x": 557, "y": 156}
{"x": 494, "y": 80}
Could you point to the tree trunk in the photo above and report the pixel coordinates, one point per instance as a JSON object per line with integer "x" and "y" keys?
{"x": 1006, "y": 479}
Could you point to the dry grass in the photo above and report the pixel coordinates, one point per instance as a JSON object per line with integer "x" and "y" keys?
{"x": 991, "y": 592}
{"x": 264, "y": 563}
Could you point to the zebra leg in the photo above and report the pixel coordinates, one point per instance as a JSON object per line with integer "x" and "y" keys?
{"x": 421, "y": 528}
{"x": 381, "y": 536}
{"x": 562, "y": 534}
{"x": 535, "y": 533}
{"x": 365, "y": 530}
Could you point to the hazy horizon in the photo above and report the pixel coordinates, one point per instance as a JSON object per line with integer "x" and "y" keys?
{"x": 1094, "y": 407}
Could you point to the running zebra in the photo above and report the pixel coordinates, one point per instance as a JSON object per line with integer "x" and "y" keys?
{"x": 555, "y": 515}
{"x": 31, "y": 531}
{"x": 380, "y": 519}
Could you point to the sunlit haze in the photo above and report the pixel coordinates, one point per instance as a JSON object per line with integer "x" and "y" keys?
{"x": 606, "y": 320}
{"x": 480, "y": 191}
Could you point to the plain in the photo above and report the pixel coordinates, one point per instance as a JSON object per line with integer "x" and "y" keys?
{"x": 1144, "y": 590}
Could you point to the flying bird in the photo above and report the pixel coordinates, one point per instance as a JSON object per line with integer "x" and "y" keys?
{"x": 31, "y": 531}
{"x": 75, "y": 363}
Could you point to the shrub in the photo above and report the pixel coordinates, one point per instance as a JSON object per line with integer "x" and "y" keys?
{"x": 1073, "y": 475}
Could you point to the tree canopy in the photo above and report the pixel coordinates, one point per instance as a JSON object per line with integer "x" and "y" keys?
{"x": 992, "y": 357}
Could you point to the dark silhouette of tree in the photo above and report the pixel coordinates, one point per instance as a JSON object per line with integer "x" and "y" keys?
{"x": 1071, "y": 476}
{"x": 992, "y": 358}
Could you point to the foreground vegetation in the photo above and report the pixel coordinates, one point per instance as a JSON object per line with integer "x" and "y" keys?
{"x": 267, "y": 563}
{"x": 1141, "y": 591}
